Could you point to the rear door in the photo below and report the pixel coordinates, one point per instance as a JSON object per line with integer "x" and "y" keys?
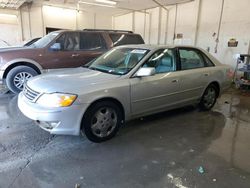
{"x": 92, "y": 45}
{"x": 194, "y": 74}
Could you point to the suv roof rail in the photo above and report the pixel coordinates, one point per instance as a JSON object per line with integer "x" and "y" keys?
{"x": 109, "y": 30}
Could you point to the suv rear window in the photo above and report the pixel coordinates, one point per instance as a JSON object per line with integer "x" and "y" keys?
{"x": 123, "y": 39}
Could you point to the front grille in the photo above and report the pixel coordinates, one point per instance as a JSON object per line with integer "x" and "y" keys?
{"x": 30, "y": 94}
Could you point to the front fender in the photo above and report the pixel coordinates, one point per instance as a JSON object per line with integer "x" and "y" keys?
{"x": 12, "y": 62}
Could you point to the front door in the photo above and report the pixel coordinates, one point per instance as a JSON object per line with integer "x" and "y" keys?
{"x": 157, "y": 92}
{"x": 75, "y": 49}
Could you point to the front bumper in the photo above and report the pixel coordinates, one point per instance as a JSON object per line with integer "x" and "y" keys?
{"x": 65, "y": 120}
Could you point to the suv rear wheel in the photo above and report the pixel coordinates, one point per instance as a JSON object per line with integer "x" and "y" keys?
{"x": 17, "y": 77}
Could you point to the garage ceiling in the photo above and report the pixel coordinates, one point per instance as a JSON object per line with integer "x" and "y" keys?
{"x": 12, "y": 4}
{"x": 127, "y": 4}
{"x": 121, "y": 6}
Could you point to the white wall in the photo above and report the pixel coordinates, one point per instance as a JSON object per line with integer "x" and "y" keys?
{"x": 154, "y": 25}
{"x": 31, "y": 22}
{"x": 186, "y": 22}
{"x": 124, "y": 22}
{"x": 235, "y": 24}
{"x": 9, "y": 27}
{"x": 160, "y": 27}
{"x": 59, "y": 17}
{"x": 103, "y": 21}
{"x": 157, "y": 26}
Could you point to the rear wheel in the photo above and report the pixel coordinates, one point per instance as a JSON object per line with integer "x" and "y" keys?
{"x": 102, "y": 121}
{"x": 209, "y": 97}
{"x": 18, "y": 76}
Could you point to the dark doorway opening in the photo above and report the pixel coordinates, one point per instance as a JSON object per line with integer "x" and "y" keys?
{"x": 51, "y": 29}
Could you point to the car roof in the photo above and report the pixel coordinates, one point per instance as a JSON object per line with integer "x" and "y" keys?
{"x": 158, "y": 47}
{"x": 155, "y": 47}
{"x": 96, "y": 31}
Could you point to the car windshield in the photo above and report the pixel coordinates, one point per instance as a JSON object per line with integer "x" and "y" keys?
{"x": 43, "y": 42}
{"x": 119, "y": 61}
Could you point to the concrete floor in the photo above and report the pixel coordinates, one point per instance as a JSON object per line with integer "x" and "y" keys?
{"x": 164, "y": 150}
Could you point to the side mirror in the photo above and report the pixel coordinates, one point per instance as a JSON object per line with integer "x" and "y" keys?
{"x": 145, "y": 71}
{"x": 56, "y": 47}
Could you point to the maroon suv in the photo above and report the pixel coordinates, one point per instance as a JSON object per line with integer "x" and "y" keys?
{"x": 59, "y": 49}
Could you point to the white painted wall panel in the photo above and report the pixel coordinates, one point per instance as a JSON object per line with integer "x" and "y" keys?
{"x": 103, "y": 21}
{"x": 25, "y": 24}
{"x": 186, "y": 22}
{"x": 163, "y": 24}
{"x": 140, "y": 23}
{"x": 171, "y": 23}
{"x": 154, "y": 25}
{"x": 59, "y": 17}
{"x": 10, "y": 34}
{"x": 124, "y": 22}
{"x": 147, "y": 29}
{"x": 208, "y": 25}
{"x": 36, "y": 22}
{"x": 235, "y": 24}
{"x": 85, "y": 20}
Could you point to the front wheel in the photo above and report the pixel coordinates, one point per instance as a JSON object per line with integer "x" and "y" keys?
{"x": 18, "y": 76}
{"x": 102, "y": 121}
{"x": 209, "y": 98}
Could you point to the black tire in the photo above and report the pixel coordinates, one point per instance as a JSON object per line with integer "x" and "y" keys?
{"x": 14, "y": 73}
{"x": 209, "y": 98}
{"x": 90, "y": 120}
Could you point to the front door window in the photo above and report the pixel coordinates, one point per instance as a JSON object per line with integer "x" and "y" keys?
{"x": 163, "y": 61}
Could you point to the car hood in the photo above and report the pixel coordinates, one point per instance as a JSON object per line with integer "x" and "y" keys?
{"x": 10, "y": 48}
{"x": 73, "y": 80}
{"x": 24, "y": 52}
{"x": 14, "y": 49}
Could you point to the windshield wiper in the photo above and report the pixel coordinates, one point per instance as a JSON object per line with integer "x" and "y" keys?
{"x": 105, "y": 71}
{"x": 85, "y": 66}
{"x": 94, "y": 68}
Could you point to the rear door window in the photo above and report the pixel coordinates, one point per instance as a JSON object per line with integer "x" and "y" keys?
{"x": 91, "y": 41}
{"x": 123, "y": 39}
{"x": 191, "y": 59}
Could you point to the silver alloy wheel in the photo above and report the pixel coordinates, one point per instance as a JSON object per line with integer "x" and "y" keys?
{"x": 104, "y": 122}
{"x": 209, "y": 97}
{"x": 21, "y": 78}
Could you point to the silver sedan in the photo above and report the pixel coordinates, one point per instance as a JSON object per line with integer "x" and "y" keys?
{"x": 125, "y": 83}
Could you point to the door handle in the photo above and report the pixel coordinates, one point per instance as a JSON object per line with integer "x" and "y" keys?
{"x": 75, "y": 55}
{"x": 175, "y": 81}
{"x": 206, "y": 74}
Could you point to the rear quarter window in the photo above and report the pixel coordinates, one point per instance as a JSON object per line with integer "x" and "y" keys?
{"x": 123, "y": 39}
{"x": 208, "y": 61}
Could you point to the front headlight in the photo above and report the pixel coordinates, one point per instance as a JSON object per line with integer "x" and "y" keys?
{"x": 56, "y": 100}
